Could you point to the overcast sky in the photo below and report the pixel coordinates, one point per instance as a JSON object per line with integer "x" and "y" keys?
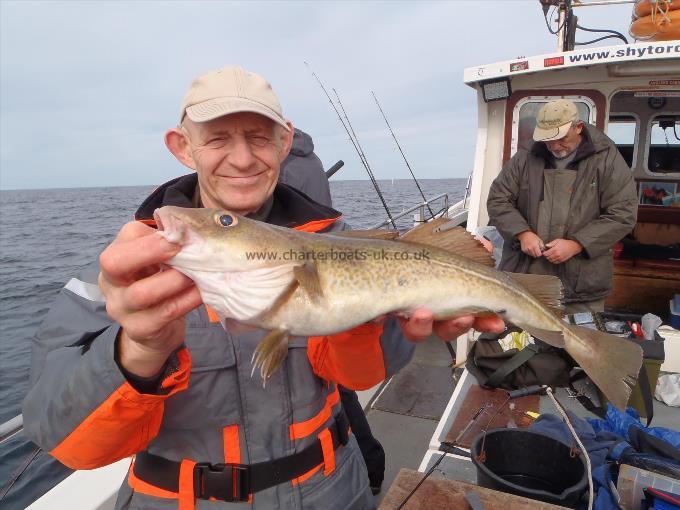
{"x": 87, "y": 89}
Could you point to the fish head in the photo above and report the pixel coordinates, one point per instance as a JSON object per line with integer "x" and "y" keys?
{"x": 221, "y": 252}
{"x": 212, "y": 240}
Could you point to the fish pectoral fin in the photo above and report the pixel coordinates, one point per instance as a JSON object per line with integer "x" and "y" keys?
{"x": 308, "y": 279}
{"x": 554, "y": 338}
{"x": 455, "y": 240}
{"x": 547, "y": 289}
{"x": 270, "y": 353}
{"x": 612, "y": 363}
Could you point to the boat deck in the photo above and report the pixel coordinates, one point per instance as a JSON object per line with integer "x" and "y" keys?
{"x": 413, "y": 441}
{"x": 405, "y": 436}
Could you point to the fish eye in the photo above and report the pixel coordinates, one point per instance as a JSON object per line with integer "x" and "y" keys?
{"x": 226, "y": 220}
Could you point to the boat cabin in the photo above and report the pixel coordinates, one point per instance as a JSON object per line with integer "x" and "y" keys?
{"x": 632, "y": 94}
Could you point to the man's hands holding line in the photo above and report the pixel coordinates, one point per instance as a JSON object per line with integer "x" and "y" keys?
{"x": 530, "y": 243}
{"x": 556, "y": 251}
{"x": 561, "y": 250}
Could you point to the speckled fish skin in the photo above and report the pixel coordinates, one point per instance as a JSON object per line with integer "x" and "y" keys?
{"x": 387, "y": 277}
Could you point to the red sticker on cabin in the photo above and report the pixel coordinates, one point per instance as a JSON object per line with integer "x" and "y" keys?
{"x": 553, "y": 61}
{"x": 519, "y": 66}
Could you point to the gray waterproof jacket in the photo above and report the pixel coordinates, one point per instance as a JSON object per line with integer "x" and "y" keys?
{"x": 83, "y": 410}
{"x": 303, "y": 170}
{"x": 603, "y": 210}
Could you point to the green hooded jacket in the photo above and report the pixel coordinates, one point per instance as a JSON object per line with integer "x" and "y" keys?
{"x": 603, "y": 210}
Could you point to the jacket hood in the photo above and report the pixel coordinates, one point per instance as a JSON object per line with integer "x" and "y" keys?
{"x": 593, "y": 141}
{"x": 302, "y": 144}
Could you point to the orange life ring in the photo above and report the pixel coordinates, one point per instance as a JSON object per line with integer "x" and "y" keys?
{"x": 657, "y": 28}
{"x": 645, "y": 7}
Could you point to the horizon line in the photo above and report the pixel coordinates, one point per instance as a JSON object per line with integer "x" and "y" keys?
{"x": 156, "y": 185}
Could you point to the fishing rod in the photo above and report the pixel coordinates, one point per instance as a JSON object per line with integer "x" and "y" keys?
{"x": 403, "y": 155}
{"x": 448, "y": 345}
{"x": 356, "y": 138}
{"x": 362, "y": 156}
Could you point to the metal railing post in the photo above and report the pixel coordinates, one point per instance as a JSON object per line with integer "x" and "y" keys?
{"x": 420, "y": 208}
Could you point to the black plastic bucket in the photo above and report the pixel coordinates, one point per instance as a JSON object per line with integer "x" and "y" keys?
{"x": 530, "y": 465}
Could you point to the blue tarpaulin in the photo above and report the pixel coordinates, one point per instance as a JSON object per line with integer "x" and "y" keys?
{"x": 619, "y": 423}
{"x": 605, "y": 440}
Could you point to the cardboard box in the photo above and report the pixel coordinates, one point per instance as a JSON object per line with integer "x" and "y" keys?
{"x": 661, "y": 234}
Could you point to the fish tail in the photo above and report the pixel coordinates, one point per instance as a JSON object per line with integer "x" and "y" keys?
{"x": 611, "y": 362}
{"x": 270, "y": 353}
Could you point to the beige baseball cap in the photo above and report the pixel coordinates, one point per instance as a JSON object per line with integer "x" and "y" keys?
{"x": 230, "y": 90}
{"x": 554, "y": 120}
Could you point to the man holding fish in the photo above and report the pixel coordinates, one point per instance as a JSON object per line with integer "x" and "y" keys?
{"x": 134, "y": 360}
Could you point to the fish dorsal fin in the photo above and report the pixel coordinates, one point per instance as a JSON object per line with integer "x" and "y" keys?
{"x": 454, "y": 240}
{"x": 547, "y": 289}
{"x": 375, "y": 233}
{"x": 424, "y": 230}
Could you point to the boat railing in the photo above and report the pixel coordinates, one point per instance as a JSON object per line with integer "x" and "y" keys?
{"x": 468, "y": 186}
{"x": 420, "y": 207}
{"x": 11, "y": 427}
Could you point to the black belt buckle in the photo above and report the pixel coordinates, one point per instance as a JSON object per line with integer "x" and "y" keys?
{"x": 225, "y": 482}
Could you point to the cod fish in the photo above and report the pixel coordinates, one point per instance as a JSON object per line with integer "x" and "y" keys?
{"x": 297, "y": 283}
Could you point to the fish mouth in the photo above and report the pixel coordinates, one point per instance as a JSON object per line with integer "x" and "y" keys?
{"x": 169, "y": 226}
{"x": 175, "y": 229}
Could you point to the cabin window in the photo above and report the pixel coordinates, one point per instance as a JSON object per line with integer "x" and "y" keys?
{"x": 663, "y": 156}
{"x": 524, "y": 117}
{"x": 623, "y": 129}
{"x": 656, "y": 151}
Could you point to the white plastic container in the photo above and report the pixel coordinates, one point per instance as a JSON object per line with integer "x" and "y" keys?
{"x": 672, "y": 349}
{"x": 633, "y": 480}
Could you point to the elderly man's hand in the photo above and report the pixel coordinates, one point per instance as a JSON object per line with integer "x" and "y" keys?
{"x": 530, "y": 243}
{"x": 149, "y": 303}
{"x": 561, "y": 250}
{"x": 421, "y": 324}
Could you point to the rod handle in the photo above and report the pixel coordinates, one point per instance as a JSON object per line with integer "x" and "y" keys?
{"x": 334, "y": 168}
{"x": 523, "y": 392}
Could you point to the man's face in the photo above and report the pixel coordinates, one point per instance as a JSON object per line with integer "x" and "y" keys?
{"x": 237, "y": 158}
{"x": 564, "y": 146}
